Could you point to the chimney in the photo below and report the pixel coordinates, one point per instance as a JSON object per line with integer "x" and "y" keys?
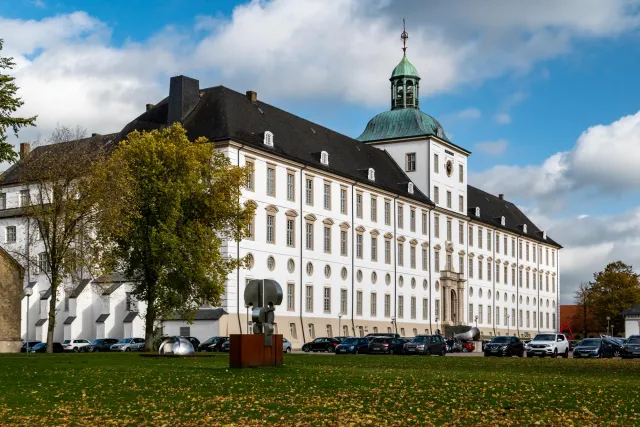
{"x": 184, "y": 94}
{"x": 252, "y": 96}
{"x": 25, "y": 148}
{"x": 501, "y": 196}
{"x": 148, "y": 107}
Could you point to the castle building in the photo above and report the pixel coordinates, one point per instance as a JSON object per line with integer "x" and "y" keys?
{"x": 381, "y": 233}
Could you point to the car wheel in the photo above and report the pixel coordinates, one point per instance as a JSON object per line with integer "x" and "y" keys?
{"x": 616, "y": 353}
{"x": 97, "y": 350}
{"x": 329, "y": 349}
{"x": 305, "y": 349}
{"x": 427, "y": 352}
{"x": 555, "y": 353}
{"x": 391, "y": 352}
{"x": 566, "y": 354}
{"x": 465, "y": 350}
{"x": 443, "y": 352}
{"x": 288, "y": 350}
{"x": 127, "y": 349}
{"x": 75, "y": 349}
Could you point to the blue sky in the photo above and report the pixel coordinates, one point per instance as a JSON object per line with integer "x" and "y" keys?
{"x": 545, "y": 95}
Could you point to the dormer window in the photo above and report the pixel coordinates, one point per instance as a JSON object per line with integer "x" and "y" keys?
{"x": 478, "y": 212}
{"x": 268, "y": 139}
{"x": 503, "y": 222}
{"x": 524, "y": 228}
{"x": 410, "y": 188}
{"x": 324, "y": 158}
{"x": 372, "y": 174}
{"x": 544, "y": 235}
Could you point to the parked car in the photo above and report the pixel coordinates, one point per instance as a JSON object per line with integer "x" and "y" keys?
{"x": 42, "y": 348}
{"x": 195, "y": 342}
{"x": 504, "y": 346}
{"x": 573, "y": 344}
{"x": 74, "y": 345}
{"x": 321, "y": 344}
{"x": 386, "y": 345}
{"x": 386, "y": 334}
{"x": 23, "y": 348}
{"x": 468, "y": 346}
{"x": 426, "y": 345}
{"x": 212, "y": 344}
{"x": 548, "y": 345}
{"x": 593, "y": 347}
{"x": 225, "y": 346}
{"x": 128, "y": 344}
{"x": 341, "y": 338}
{"x": 286, "y": 345}
{"x": 632, "y": 348}
{"x": 101, "y": 344}
{"x": 353, "y": 346}
{"x": 617, "y": 345}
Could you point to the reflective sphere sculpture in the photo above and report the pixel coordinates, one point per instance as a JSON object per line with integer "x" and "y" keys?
{"x": 176, "y": 345}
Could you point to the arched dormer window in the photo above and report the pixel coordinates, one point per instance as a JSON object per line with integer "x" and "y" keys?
{"x": 324, "y": 158}
{"x": 410, "y": 188}
{"x": 372, "y": 174}
{"x": 268, "y": 139}
{"x": 502, "y": 221}
{"x": 477, "y": 212}
{"x": 544, "y": 235}
{"x": 524, "y": 228}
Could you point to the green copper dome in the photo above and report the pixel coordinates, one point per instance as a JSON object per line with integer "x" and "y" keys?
{"x": 401, "y": 123}
{"x": 405, "y": 68}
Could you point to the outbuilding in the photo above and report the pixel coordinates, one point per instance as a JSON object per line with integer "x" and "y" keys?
{"x": 632, "y": 320}
{"x": 207, "y": 322}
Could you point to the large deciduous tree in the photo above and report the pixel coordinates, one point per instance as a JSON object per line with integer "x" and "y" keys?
{"x": 584, "y": 315}
{"x": 59, "y": 210}
{"x": 171, "y": 205}
{"x": 9, "y": 104}
{"x": 613, "y": 290}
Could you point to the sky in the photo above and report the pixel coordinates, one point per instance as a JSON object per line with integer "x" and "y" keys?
{"x": 545, "y": 94}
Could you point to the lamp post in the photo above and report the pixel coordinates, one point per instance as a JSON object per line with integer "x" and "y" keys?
{"x": 608, "y": 319}
{"x": 394, "y": 327}
{"x": 28, "y": 292}
{"x": 340, "y": 323}
{"x": 437, "y": 327}
{"x": 476, "y": 319}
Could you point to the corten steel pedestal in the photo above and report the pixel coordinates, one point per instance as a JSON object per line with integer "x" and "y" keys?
{"x": 249, "y": 351}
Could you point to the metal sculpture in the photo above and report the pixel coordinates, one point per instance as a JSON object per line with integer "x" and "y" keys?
{"x": 176, "y": 345}
{"x": 263, "y": 296}
{"x": 471, "y": 335}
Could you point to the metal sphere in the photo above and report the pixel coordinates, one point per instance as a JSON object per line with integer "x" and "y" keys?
{"x": 176, "y": 345}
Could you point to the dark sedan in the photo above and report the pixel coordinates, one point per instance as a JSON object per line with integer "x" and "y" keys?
{"x": 226, "y": 346}
{"x": 321, "y": 344}
{"x": 42, "y": 348}
{"x": 593, "y": 347}
{"x": 23, "y": 348}
{"x": 353, "y": 346}
{"x": 212, "y": 344}
{"x": 632, "y": 347}
{"x": 426, "y": 345}
{"x": 386, "y": 345}
{"x": 101, "y": 344}
{"x": 504, "y": 346}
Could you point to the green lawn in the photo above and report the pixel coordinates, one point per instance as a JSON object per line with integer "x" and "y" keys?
{"x": 121, "y": 389}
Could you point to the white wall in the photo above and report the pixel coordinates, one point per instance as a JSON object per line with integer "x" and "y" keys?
{"x": 632, "y": 325}
{"x": 201, "y": 329}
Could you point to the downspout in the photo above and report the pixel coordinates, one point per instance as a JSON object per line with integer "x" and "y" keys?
{"x": 518, "y": 284}
{"x": 353, "y": 254}
{"x": 493, "y": 279}
{"x": 302, "y": 267}
{"x": 430, "y": 313}
{"x": 395, "y": 265}
{"x": 238, "y": 267}
{"x": 465, "y": 233}
{"x": 539, "y": 284}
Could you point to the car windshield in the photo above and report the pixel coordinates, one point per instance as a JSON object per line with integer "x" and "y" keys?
{"x": 501, "y": 340}
{"x": 125, "y": 341}
{"x": 350, "y": 341}
{"x": 590, "y": 342}
{"x": 96, "y": 342}
{"x": 39, "y": 345}
{"x": 379, "y": 340}
{"x": 66, "y": 341}
{"x": 420, "y": 339}
{"x": 545, "y": 337}
{"x": 634, "y": 340}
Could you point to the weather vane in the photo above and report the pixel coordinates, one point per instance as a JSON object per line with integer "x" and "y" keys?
{"x": 404, "y": 36}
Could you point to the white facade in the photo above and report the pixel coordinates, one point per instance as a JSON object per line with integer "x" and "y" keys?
{"x": 632, "y": 325}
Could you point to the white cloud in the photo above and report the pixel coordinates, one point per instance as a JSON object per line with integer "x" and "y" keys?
{"x": 494, "y": 148}
{"x": 469, "y": 113}
{"x": 502, "y": 118}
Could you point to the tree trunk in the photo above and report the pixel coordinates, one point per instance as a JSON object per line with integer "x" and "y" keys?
{"x": 149, "y": 322}
{"x": 51, "y": 324}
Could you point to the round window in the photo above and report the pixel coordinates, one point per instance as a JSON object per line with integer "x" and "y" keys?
{"x": 309, "y": 268}
{"x": 470, "y": 291}
{"x": 413, "y": 283}
{"x": 271, "y": 263}
{"x": 520, "y": 299}
{"x": 527, "y": 300}
{"x": 291, "y": 265}
{"x": 359, "y": 275}
{"x": 535, "y": 302}
{"x": 327, "y": 271}
{"x": 488, "y": 294}
{"x": 497, "y": 296}
{"x": 480, "y": 293}
{"x": 437, "y": 286}
{"x": 343, "y": 273}
{"x": 250, "y": 261}
{"x": 387, "y": 279}
{"x": 374, "y": 277}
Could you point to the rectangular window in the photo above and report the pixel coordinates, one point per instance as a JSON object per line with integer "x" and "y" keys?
{"x": 513, "y": 247}
{"x": 480, "y": 269}
{"x": 470, "y": 238}
{"x": 374, "y": 304}
{"x": 505, "y": 240}
{"x": 411, "y": 162}
{"x": 67, "y": 294}
{"x": 527, "y": 280}
{"x": 413, "y": 307}
{"x": 461, "y": 203}
{"x": 436, "y": 164}
{"x": 547, "y": 318}
{"x": 3, "y": 200}
{"x": 291, "y": 187}
{"x": 461, "y": 233}
{"x": 424, "y": 223}
{"x": 11, "y": 234}
{"x": 436, "y": 195}
{"x": 358, "y": 303}
{"x": 533, "y": 280}
{"x": 449, "y": 230}
{"x": 309, "y": 299}
{"x": 489, "y": 315}
{"x": 292, "y": 330}
{"x": 271, "y": 223}
{"x": 412, "y": 256}
{"x": 327, "y": 196}
{"x": 480, "y": 237}
{"x": 520, "y": 318}
{"x": 424, "y": 259}
{"x": 533, "y": 253}
{"x": 291, "y": 233}
{"x": 327, "y": 300}
{"x": 251, "y": 229}
{"x": 309, "y": 191}
{"x": 343, "y": 243}
{"x": 387, "y": 251}
{"x": 553, "y": 282}
{"x": 387, "y": 305}
{"x": 400, "y": 253}
{"x": 513, "y": 317}
{"x": 271, "y": 181}
{"x": 436, "y": 226}
{"x": 387, "y": 213}
{"x": 480, "y": 313}
{"x": 291, "y": 301}
{"x": 185, "y": 331}
{"x": 497, "y": 243}
{"x": 506, "y": 317}
{"x": 528, "y": 322}
{"x": 498, "y": 316}
{"x": 449, "y": 265}
{"x": 497, "y": 274}
{"x": 520, "y": 278}
{"x": 488, "y": 270}
{"x": 359, "y": 246}
{"x": 251, "y": 178}
{"x": 506, "y": 275}
{"x": 520, "y": 249}
{"x": 534, "y": 319}
{"x": 343, "y": 201}
{"x": 461, "y": 264}
{"x": 425, "y": 308}
{"x": 412, "y": 220}
{"x": 471, "y": 268}
{"x": 400, "y": 216}
{"x": 470, "y": 310}
{"x": 527, "y": 251}
{"x": 343, "y": 301}
{"x": 374, "y": 209}
{"x": 513, "y": 276}
{"x": 374, "y": 248}
{"x": 359, "y": 205}
{"x": 309, "y": 236}
{"x": 461, "y": 173}
{"x": 449, "y": 199}
{"x": 400, "y": 307}
{"x": 43, "y": 263}
{"x": 436, "y": 261}
{"x": 24, "y": 201}
{"x": 553, "y": 258}
{"x": 327, "y": 240}
{"x": 547, "y": 256}
{"x": 489, "y": 239}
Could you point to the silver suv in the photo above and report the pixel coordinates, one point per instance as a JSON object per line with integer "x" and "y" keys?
{"x": 548, "y": 345}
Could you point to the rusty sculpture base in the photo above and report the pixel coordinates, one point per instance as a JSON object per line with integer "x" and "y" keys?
{"x": 247, "y": 351}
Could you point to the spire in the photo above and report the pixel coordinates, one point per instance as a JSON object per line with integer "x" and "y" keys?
{"x": 404, "y": 36}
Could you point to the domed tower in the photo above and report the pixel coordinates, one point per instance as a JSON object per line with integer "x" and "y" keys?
{"x": 405, "y": 81}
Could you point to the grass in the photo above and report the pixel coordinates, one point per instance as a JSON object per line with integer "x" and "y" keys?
{"x": 126, "y": 389}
